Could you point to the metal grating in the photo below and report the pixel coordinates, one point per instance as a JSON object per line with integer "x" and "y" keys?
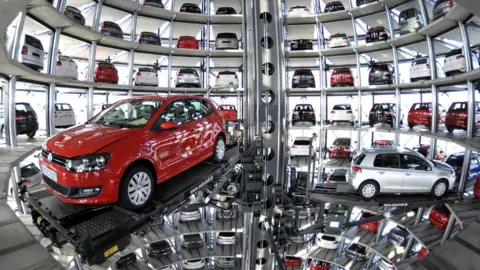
{"x": 102, "y": 223}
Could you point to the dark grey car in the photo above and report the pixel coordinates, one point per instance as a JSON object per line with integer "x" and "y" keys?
{"x": 153, "y": 3}
{"x": 398, "y": 236}
{"x": 111, "y": 29}
{"x": 149, "y": 38}
{"x": 75, "y": 15}
{"x": 192, "y": 241}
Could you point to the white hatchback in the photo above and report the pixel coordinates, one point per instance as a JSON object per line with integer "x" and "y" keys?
{"x": 338, "y": 40}
{"x": 227, "y": 79}
{"x": 64, "y": 116}
{"x": 226, "y": 238}
{"x": 301, "y": 147}
{"x": 146, "y": 76}
{"x": 298, "y": 11}
{"x": 32, "y": 54}
{"x": 328, "y": 242}
{"x": 420, "y": 69}
{"x": 455, "y": 62}
{"x": 190, "y": 213}
{"x": 66, "y": 67}
{"x": 342, "y": 113}
{"x": 193, "y": 264}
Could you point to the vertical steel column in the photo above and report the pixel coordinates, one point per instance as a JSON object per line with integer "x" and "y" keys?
{"x": 9, "y": 112}
{"x": 131, "y": 60}
{"x": 250, "y": 69}
{"x": 409, "y": 245}
{"x": 96, "y": 17}
{"x": 170, "y": 41}
{"x": 435, "y": 113}
{"x": 423, "y": 9}
{"x": 15, "y": 46}
{"x": 396, "y": 73}
{"x": 207, "y": 37}
{"x": 61, "y": 4}
{"x": 51, "y": 89}
{"x": 358, "y": 83}
{"x": 378, "y": 237}
{"x": 448, "y": 229}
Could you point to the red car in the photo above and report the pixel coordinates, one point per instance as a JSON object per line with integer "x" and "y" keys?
{"x": 340, "y": 149}
{"x": 105, "y": 72}
{"x": 421, "y": 114}
{"x": 124, "y": 151}
{"x": 457, "y": 116}
{"x": 187, "y": 42}
{"x": 293, "y": 261}
{"x": 341, "y": 77}
{"x": 476, "y": 188}
{"x": 371, "y": 226}
{"x": 424, "y": 149}
{"x": 422, "y": 253}
{"x": 229, "y": 112}
{"x": 439, "y": 217}
{"x": 319, "y": 265}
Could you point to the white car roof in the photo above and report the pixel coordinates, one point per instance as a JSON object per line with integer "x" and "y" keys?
{"x": 392, "y": 150}
{"x": 302, "y": 138}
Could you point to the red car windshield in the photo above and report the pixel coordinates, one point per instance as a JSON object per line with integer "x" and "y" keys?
{"x": 129, "y": 113}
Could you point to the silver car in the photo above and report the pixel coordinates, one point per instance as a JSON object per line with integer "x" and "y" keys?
{"x": 410, "y": 20}
{"x": 398, "y": 170}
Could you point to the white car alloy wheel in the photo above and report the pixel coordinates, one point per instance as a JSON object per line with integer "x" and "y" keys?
{"x": 220, "y": 149}
{"x": 139, "y": 188}
{"x": 440, "y": 189}
{"x": 369, "y": 190}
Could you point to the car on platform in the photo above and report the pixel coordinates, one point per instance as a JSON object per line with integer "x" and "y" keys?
{"x": 190, "y": 8}
{"x": 364, "y": 2}
{"x": 111, "y": 159}
{"x": 149, "y": 38}
{"x": 154, "y": 3}
{"x": 187, "y": 77}
{"x": 303, "y": 113}
{"x": 356, "y": 252}
{"x": 456, "y": 63}
{"x": 301, "y": 147}
{"x": 303, "y": 78}
{"x": 455, "y": 161}
{"x": 226, "y": 238}
{"x": 26, "y": 121}
{"x": 337, "y": 176}
{"x": 225, "y": 262}
{"x": 386, "y": 265}
{"x": 111, "y": 29}
{"x": 398, "y": 236}
{"x": 341, "y": 148}
{"x": 439, "y": 217}
{"x": 146, "y": 76}
{"x": 398, "y": 170}
{"x": 421, "y": 69}
{"x": 327, "y": 241}
{"x": 410, "y": 20}
{"x": 370, "y": 226}
{"x": 342, "y": 113}
{"x": 194, "y": 264}
{"x": 159, "y": 248}
{"x": 421, "y": 114}
{"x": 298, "y": 11}
{"x": 66, "y": 67}
{"x": 226, "y": 41}
{"x": 301, "y": 44}
{"x": 75, "y": 15}
{"x": 457, "y": 116}
{"x": 226, "y": 11}
{"x": 319, "y": 265}
{"x": 338, "y": 40}
{"x": 228, "y": 112}
{"x": 377, "y": 33}
{"x": 333, "y": 7}
{"x": 441, "y": 8}
{"x": 187, "y": 42}
{"x": 380, "y": 74}
{"x": 383, "y": 144}
{"x": 32, "y": 54}
{"x": 384, "y": 113}
{"x": 63, "y": 115}
{"x": 342, "y": 77}
{"x": 293, "y": 261}
{"x": 105, "y": 72}
{"x": 227, "y": 79}
{"x": 424, "y": 149}
{"x": 194, "y": 240}
{"x": 190, "y": 213}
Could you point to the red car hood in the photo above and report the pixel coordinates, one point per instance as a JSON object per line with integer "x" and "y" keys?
{"x": 85, "y": 139}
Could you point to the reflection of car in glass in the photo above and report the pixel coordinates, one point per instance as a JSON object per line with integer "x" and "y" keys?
{"x": 301, "y": 44}
{"x": 149, "y": 38}
{"x": 398, "y": 236}
{"x": 410, "y": 20}
{"x": 25, "y": 119}
{"x": 225, "y": 11}
{"x": 424, "y": 149}
{"x": 111, "y": 29}
{"x": 303, "y": 78}
{"x": 441, "y": 8}
{"x": 75, "y": 15}
{"x": 153, "y": 3}
{"x": 421, "y": 114}
{"x": 327, "y": 242}
{"x": 457, "y": 116}
{"x": 190, "y": 213}
{"x": 190, "y": 8}
{"x": 159, "y": 248}
{"x": 455, "y": 160}
{"x": 66, "y": 67}
{"x": 187, "y": 42}
{"x": 456, "y": 63}
{"x": 377, "y": 33}
{"x": 226, "y": 238}
{"x": 303, "y": 113}
{"x": 338, "y": 40}
{"x": 333, "y": 6}
{"x": 32, "y": 54}
{"x": 226, "y": 41}
{"x": 228, "y": 112}
{"x": 298, "y": 10}
{"x": 341, "y": 148}
{"x": 301, "y": 147}
{"x": 146, "y": 76}
{"x": 398, "y": 170}
{"x": 225, "y": 262}
{"x": 380, "y": 74}
{"x": 194, "y": 264}
{"x": 439, "y": 217}
{"x": 192, "y": 241}
{"x": 342, "y": 77}
{"x": 105, "y": 72}
{"x": 227, "y": 79}
{"x": 356, "y": 252}
{"x": 31, "y": 177}
{"x": 64, "y": 116}
{"x": 384, "y": 113}
{"x": 342, "y": 113}
{"x": 187, "y": 77}
{"x": 371, "y": 226}
{"x": 79, "y": 166}
{"x": 293, "y": 261}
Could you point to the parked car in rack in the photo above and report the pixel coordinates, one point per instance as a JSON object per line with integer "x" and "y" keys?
{"x": 192, "y": 241}
{"x": 226, "y": 41}
{"x": 187, "y": 42}
{"x": 384, "y": 113}
{"x": 159, "y": 248}
{"x": 63, "y": 115}
{"x": 190, "y": 213}
{"x": 377, "y": 33}
{"x": 111, "y": 29}
{"x": 439, "y": 217}
{"x": 341, "y": 148}
{"x": 301, "y": 44}
{"x": 75, "y": 15}
{"x": 410, "y": 20}
{"x": 441, "y": 8}
{"x": 190, "y": 8}
{"x": 225, "y": 262}
{"x": 66, "y": 67}
{"x": 457, "y": 116}
{"x": 25, "y": 119}
{"x": 421, "y": 114}
{"x": 342, "y": 113}
{"x": 338, "y": 40}
{"x": 227, "y": 79}
{"x": 32, "y": 54}
{"x": 342, "y": 77}
{"x": 383, "y": 144}
{"x": 101, "y": 161}
{"x": 149, "y": 38}
{"x": 146, "y": 76}
{"x": 303, "y": 113}
{"x": 455, "y": 62}
{"x": 105, "y": 72}
{"x": 424, "y": 149}
{"x": 356, "y": 252}
{"x": 187, "y": 77}
{"x": 319, "y": 265}
{"x": 398, "y": 236}
{"x": 398, "y": 170}
{"x": 337, "y": 176}
{"x": 293, "y": 261}
{"x": 421, "y": 69}
{"x": 194, "y": 264}
{"x": 301, "y": 147}
{"x": 228, "y": 112}
{"x": 328, "y": 242}
{"x": 385, "y": 265}
{"x": 333, "y": 7}
{"x": 226, "y": 238}
{"x": 455, "y": 160}
{"x": 153, "y": 3}
{"x": 380, "y": 74}
{"x": 226, "y": 11}
{"x": 303, "y": 78}
{"x": 371, "y": 226}
{"x": 298, "y": 10}
{"x": 364, "y": 2}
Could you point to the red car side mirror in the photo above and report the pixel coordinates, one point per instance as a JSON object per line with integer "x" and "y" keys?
{"x": 168, "y": 125}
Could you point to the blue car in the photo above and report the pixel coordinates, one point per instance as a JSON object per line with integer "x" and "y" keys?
{"x": 456, "y": 161}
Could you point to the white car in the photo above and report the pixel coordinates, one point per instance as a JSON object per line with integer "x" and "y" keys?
{"x": 32, "y": 54}
{"x": 187, "y": 77}
{"x": 455, "y": 62}
{"x": 226, "y": 238}
{"x": 338, "y": 40}
{"x": 328, "y": 242}
{"x": 227, "y": 79}
{"x": 190, "y": 213}
{"x": 301, "y": 147}
{"x": 64, "y": 116}
{"x": 194, "y": 264}
{"x": 342, "y": 113}
{"x": 146, "y": 76}
{"x": 298, "y": 11}
{"x": 420, "y": 69}
{"x": 66, "y": 67}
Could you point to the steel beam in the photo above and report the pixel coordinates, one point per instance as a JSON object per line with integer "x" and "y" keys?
{"x": 15, "y": 46}
{"x": 9, "y": 112}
